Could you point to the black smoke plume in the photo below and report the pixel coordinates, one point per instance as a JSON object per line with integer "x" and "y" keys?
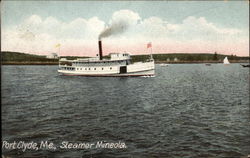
{"x": 115, "y": 29}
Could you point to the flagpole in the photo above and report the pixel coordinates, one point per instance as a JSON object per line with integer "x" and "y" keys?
{"x": 151, "y": 51}
{"x": 59, "y": 52}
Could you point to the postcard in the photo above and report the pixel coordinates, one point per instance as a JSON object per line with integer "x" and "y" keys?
{"x": 125, "y": 79}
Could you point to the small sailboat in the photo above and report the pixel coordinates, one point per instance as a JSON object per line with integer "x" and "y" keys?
{"x": 225, "y": 61}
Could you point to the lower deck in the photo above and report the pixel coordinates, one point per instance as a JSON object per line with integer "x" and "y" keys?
{"x": 136, "y": 69}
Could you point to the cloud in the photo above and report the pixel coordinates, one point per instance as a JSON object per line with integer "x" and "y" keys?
{"x": 79, "y": 36}
{"x": 78, "y": 28}
{"x": 201, "y": 28}
{"x": 121, "y": 21}
{"x": 27, "y": 35}
{"x": 33, "y": 20}
{"x": 129, "y": 16}
{"x": 190, "y": 28}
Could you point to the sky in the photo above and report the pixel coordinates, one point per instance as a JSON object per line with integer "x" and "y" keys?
{"x": 36, "y": 27}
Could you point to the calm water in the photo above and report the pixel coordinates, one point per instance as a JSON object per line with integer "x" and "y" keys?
{"x": 184, "y": 111}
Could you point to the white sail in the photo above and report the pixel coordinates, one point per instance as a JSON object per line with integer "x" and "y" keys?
{"x": 225, "y": 61}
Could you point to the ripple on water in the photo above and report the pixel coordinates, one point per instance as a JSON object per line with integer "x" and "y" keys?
{"x": 184, "y": 111}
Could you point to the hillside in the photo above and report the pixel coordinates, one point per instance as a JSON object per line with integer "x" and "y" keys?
{"x": 190, "y": 58}
{"x": 20, "y": 57}
{"x": 29, "y": 59}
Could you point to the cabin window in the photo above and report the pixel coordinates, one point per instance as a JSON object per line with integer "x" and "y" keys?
{"x": 94, "y": 68}
{"x": 85, "y": 68}
{"x": 102, "y": 68}
{"x": 89, "y": 68}
{"x": 110, "y": 68}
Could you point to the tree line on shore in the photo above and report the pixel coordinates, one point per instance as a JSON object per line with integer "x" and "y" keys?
{"x": 23, "y": 57}
{"x": 180, "y": 57}
{"x": 173, "y": 57}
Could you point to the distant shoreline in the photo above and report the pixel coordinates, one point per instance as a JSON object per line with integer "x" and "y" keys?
{"x": 29, "y": 63}
{"x": 17, "y": 58}
{"x": 199, "y": 62}
{"x": 156, "y": 62}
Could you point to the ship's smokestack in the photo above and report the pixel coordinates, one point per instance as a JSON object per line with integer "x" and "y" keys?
{"x": 100, "y": 49}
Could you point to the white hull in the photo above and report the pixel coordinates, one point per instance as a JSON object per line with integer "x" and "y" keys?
{"x": 143, "y": 73}
{"x": 163, "y": 64}
{"x": 136, "y": 69}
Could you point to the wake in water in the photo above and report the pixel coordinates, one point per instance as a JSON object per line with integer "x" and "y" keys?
{"x": 147, "y": 76}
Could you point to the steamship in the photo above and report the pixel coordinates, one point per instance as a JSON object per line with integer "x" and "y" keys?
{"x": 119, "y": 64}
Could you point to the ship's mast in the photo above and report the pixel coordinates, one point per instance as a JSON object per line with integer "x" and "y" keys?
{"x": 149, "y": 45}
{"x": 151, "y": 56}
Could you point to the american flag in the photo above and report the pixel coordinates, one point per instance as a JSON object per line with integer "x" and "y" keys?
{"x": 149, "y": 45}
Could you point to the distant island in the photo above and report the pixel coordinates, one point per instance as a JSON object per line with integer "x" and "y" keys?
{"x": 17, "y": 58}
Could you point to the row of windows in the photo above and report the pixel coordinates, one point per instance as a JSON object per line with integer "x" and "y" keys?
{"x": 91, "y": 69}
{"x": 68, "y": 68}
{"x": 115, "y": 62}
{"x": 72, "y": 68}
{"x": 122, "y": 55}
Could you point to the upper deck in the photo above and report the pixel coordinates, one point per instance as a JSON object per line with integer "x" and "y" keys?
{"x": 115, "y": 58}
